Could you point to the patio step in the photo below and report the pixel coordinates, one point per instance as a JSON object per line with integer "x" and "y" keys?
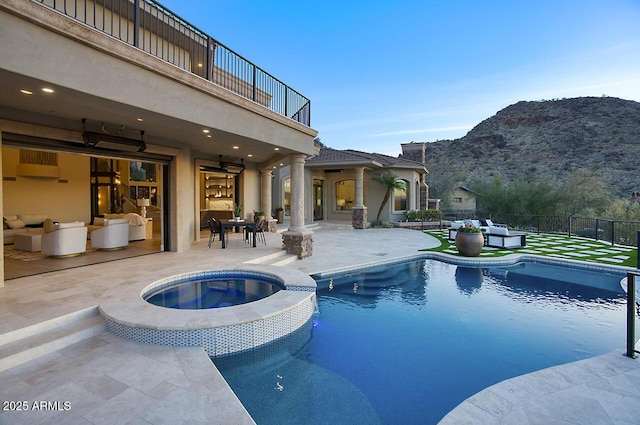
{"x": 290, "y": 258}
{"x": 29, "y": 343}
{"x": 279, "y": 258}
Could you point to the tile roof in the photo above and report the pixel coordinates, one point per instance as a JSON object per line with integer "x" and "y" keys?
{"x": 329, "y": 155}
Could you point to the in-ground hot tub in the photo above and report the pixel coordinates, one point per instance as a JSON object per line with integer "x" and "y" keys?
{"x": 219, "y": 331}
{"x": 215, "y": 291}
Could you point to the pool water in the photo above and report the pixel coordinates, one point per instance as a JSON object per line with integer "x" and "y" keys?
{"x": 213, "y": 292}
{"x": 405, "y": 344}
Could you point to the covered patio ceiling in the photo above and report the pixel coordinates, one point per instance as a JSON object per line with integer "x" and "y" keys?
{"x": 65, "y": 108}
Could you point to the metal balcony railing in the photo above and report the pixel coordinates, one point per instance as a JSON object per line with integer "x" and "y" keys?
{"x": 149, "y": 26}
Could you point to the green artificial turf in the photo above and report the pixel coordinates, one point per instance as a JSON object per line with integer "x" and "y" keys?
{"x": 553, "y": 246}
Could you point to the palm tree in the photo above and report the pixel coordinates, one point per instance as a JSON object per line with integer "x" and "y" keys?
{"x": 391, "y": 183}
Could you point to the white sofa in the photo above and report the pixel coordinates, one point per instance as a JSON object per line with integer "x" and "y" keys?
{"x": 137, "y": 224}
{"x": 113, "y": 235}
{"x": 67, "y": 240}
{"x": 21, "y": 224}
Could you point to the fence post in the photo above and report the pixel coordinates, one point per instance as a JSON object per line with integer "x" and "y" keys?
{"x": 613, "y": 232}
{"x": 569, "y": 219}
{"x": 597, "y": 227}
{"x": 136, "y": 23}
{"x": 208, "y": 69}
{"x": 631, "y": 315}
{"x": 638, "y": 249}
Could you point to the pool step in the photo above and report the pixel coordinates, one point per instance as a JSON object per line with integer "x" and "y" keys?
{"x": 280, "y": 258}
{"x": 29, "y": 343}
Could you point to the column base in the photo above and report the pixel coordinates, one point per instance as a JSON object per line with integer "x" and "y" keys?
{"x": 298, "y": 243}
{"x": 359, "y": 217}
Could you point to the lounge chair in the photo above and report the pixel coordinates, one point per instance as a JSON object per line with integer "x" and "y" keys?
{"x": 502, "y": 237}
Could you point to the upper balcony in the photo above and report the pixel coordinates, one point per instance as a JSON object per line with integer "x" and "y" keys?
{"x": 148, "y": 26}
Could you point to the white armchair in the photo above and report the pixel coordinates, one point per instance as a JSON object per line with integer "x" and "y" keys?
{"x": 68, "y": 240}
{"x": 113, "y": 235}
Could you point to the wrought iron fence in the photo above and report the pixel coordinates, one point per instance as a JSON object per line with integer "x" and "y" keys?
{"x": 149, "y": 26}
{"x": 612, "y": 231}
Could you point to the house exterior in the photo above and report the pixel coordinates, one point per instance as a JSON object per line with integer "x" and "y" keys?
{"x": 462, "y": 200}
{"x": 107, "y": 103}
{"x": 340, "y": 186}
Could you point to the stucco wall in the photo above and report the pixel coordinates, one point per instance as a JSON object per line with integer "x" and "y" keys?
{"x": 67, "y": 198}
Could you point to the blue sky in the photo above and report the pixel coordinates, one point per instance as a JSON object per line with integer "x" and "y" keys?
{"x": 381, "y": 73}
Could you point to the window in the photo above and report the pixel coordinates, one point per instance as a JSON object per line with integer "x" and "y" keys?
{"x": 400, "y": 197}
{"x": 457, "y": 200}
{"x": 345, "y": 194}
{"x": 142, "y": 171}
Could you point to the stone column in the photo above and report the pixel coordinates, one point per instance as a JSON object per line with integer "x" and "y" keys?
{"x": 424, "y": 193}
{"x": 265, "y": 201}
{"x": 297, "y": 240}
{"x": 359, "y": 210}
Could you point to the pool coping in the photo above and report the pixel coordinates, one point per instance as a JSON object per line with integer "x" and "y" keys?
{"x": 507, "y": 260}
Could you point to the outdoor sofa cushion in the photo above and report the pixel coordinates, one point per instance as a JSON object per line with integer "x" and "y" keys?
{"x": 495, "y": 230}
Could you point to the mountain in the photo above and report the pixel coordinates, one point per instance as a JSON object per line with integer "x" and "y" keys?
{"x": 546, "y": 140}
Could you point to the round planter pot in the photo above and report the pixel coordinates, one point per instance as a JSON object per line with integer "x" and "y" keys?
{"x": 469, "y": 244}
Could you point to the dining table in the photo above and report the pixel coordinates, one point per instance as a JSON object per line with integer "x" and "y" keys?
{"x": 229, "y": 224}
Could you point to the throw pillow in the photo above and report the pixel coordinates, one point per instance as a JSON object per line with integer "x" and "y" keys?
{"x": 49, "y": 226}
{"x": 33, "y": 220}
{"x": 15, "y": 224}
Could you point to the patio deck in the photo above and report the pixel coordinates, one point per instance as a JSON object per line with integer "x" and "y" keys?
{"x": 108, "y": 380}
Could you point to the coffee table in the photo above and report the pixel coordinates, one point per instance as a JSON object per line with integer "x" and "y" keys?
{"x": 28, "y": 242}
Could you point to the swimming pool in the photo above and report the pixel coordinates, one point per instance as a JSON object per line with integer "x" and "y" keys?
{"x": 407, "y": 343}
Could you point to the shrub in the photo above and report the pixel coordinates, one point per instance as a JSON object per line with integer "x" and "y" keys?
{"x": 468, "y": 229}
{"x": 423, "y": 215}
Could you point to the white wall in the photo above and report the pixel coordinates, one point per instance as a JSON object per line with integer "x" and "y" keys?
{"x": 67, "y": 198}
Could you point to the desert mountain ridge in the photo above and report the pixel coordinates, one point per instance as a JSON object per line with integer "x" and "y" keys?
{"x": 545, "y": 140}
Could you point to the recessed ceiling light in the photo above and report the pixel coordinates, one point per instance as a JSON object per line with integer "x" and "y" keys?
{"x": 281, "y": 164}
{"x": 25, "y": 91}
{"x": 274, "y": 167}
{"x": 250, "y": 155}
{"x": 199, "y": 65}
{"x": 205, "y": 131}
{"x": 140, "y": 119}
{"x": 47, "y": 90}
{"x": 276, "y": 149}
{"x": 209, "y": 136}
{"x": 236, "y": 147}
